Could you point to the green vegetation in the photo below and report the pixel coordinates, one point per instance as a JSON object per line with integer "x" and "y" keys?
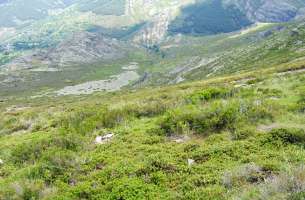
{"x": 238, "y": 133}
{"x": 244, "y": 141}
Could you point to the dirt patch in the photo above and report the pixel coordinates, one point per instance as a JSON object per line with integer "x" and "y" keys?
{"x": 179, "y": 138}
{"x": 268, "y": 127}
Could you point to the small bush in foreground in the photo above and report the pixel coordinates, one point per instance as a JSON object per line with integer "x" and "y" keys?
{"x": 288, "y": 135}
{"x": 208, "y": 94}
{"x": 242, "y": 132}
{"x": 248, "y": 173}
{"x": 215, "y": 117}
{"x": 27, "y": 190}
{"x": 289, "y": 184}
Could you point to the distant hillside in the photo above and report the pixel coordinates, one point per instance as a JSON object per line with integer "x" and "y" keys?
{"x": 208, "y": 18}
{"x": 223, "y": 16}
{"x": 171, "y": 40}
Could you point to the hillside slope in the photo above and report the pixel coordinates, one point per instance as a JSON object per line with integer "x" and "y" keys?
{"x": 152, "y": 99}
{"x": 235, "y": 137}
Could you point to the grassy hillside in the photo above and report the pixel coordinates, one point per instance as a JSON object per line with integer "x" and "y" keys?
{"x": 233, "y": 129}
{"x": 233, "y": 137}
{"x": 259, "y": 46}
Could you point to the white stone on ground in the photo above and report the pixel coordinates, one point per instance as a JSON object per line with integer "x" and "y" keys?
{"x": 180, "y": 138}
{"x": 103, "y": 139}
{"x": 190, "y": 162}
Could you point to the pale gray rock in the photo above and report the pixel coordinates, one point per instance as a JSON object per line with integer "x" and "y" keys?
{"x": 103, "y": 139}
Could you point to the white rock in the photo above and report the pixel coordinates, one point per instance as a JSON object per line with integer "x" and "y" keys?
{"x": 180, "y": 139}
{"x": 190, "y": 162}
{"x": 103, "y": 139}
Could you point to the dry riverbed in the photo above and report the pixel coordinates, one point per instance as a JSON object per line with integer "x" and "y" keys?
{"x": 114, "y": 83}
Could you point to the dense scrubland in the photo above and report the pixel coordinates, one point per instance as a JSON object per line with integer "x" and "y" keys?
{"x": 232, "y": 137}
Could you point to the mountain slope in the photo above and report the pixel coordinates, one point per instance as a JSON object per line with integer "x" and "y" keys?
{"x": 232, "y": 137}
{"x": 221, "y": 16}
{"x": 82, "y": 48}
{"x": 208, "y": 18}
{"x": 158, "y": 35}
{"x": 269, "y": 10}
{"x": 152, "y": 99}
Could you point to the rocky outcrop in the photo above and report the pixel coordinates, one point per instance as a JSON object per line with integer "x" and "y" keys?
{"x": 84, "y": 47}
{"x": 267, "y": 10}
{"x": 154, "y": 32}
{"x": 81, "y": 48}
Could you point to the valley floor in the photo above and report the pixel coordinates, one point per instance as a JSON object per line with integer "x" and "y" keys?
{"x": 233, "y": 137}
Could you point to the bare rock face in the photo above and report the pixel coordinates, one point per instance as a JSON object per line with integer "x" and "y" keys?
{"x": 84, "y": 47}
{"x": 158, "y": 15}
{"x": 267, "y": 10}
{"x": 273, "y": 11}
{"x": 155, "y": 31}
{"x": 81, "y": 48}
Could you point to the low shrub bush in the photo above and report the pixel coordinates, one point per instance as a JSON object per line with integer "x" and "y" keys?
{"x": 214, "y": 117}
{"x": 54, "y": 165}
{"x": 32, "y": 151}
{"x": 209, "y": 94}
{"x": 242, "y": 132}
{"x": 84, "y": 122}
{"x": 289, "y": 184}
{"x": 270, "y": 92}
{"x": 29, "y": 151}
{"x": 288, "y": 135}
{"x": 248, "y": 173}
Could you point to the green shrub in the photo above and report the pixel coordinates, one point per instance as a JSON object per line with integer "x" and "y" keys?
{"x": 156, "y": 164}
{"x": 84, "y": 122}
{"x": 288, "y": 135}
{"x": 215, "y": 117}
{"x": 133, "y": 189}
{"x": 206, "y": 193}
{"x": 298, "y": 196}
{"x": 29, "y": 151}
{"x": 13, "y": 124}
{"x": 55, "y": 164}
{"x": 256, "y": 111}
{"x": 242, "y": 132}
{"x": 208, "y": 94}
{"x": 270, "y": 92}
{"x": 254, "y": 81}
{"x": 33, "y": 150}
{"x": 149, "y": 109}
{"x": 301, "y": 103}
{"x": 28, "y": 190}
{"x": 70, "y": 141}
